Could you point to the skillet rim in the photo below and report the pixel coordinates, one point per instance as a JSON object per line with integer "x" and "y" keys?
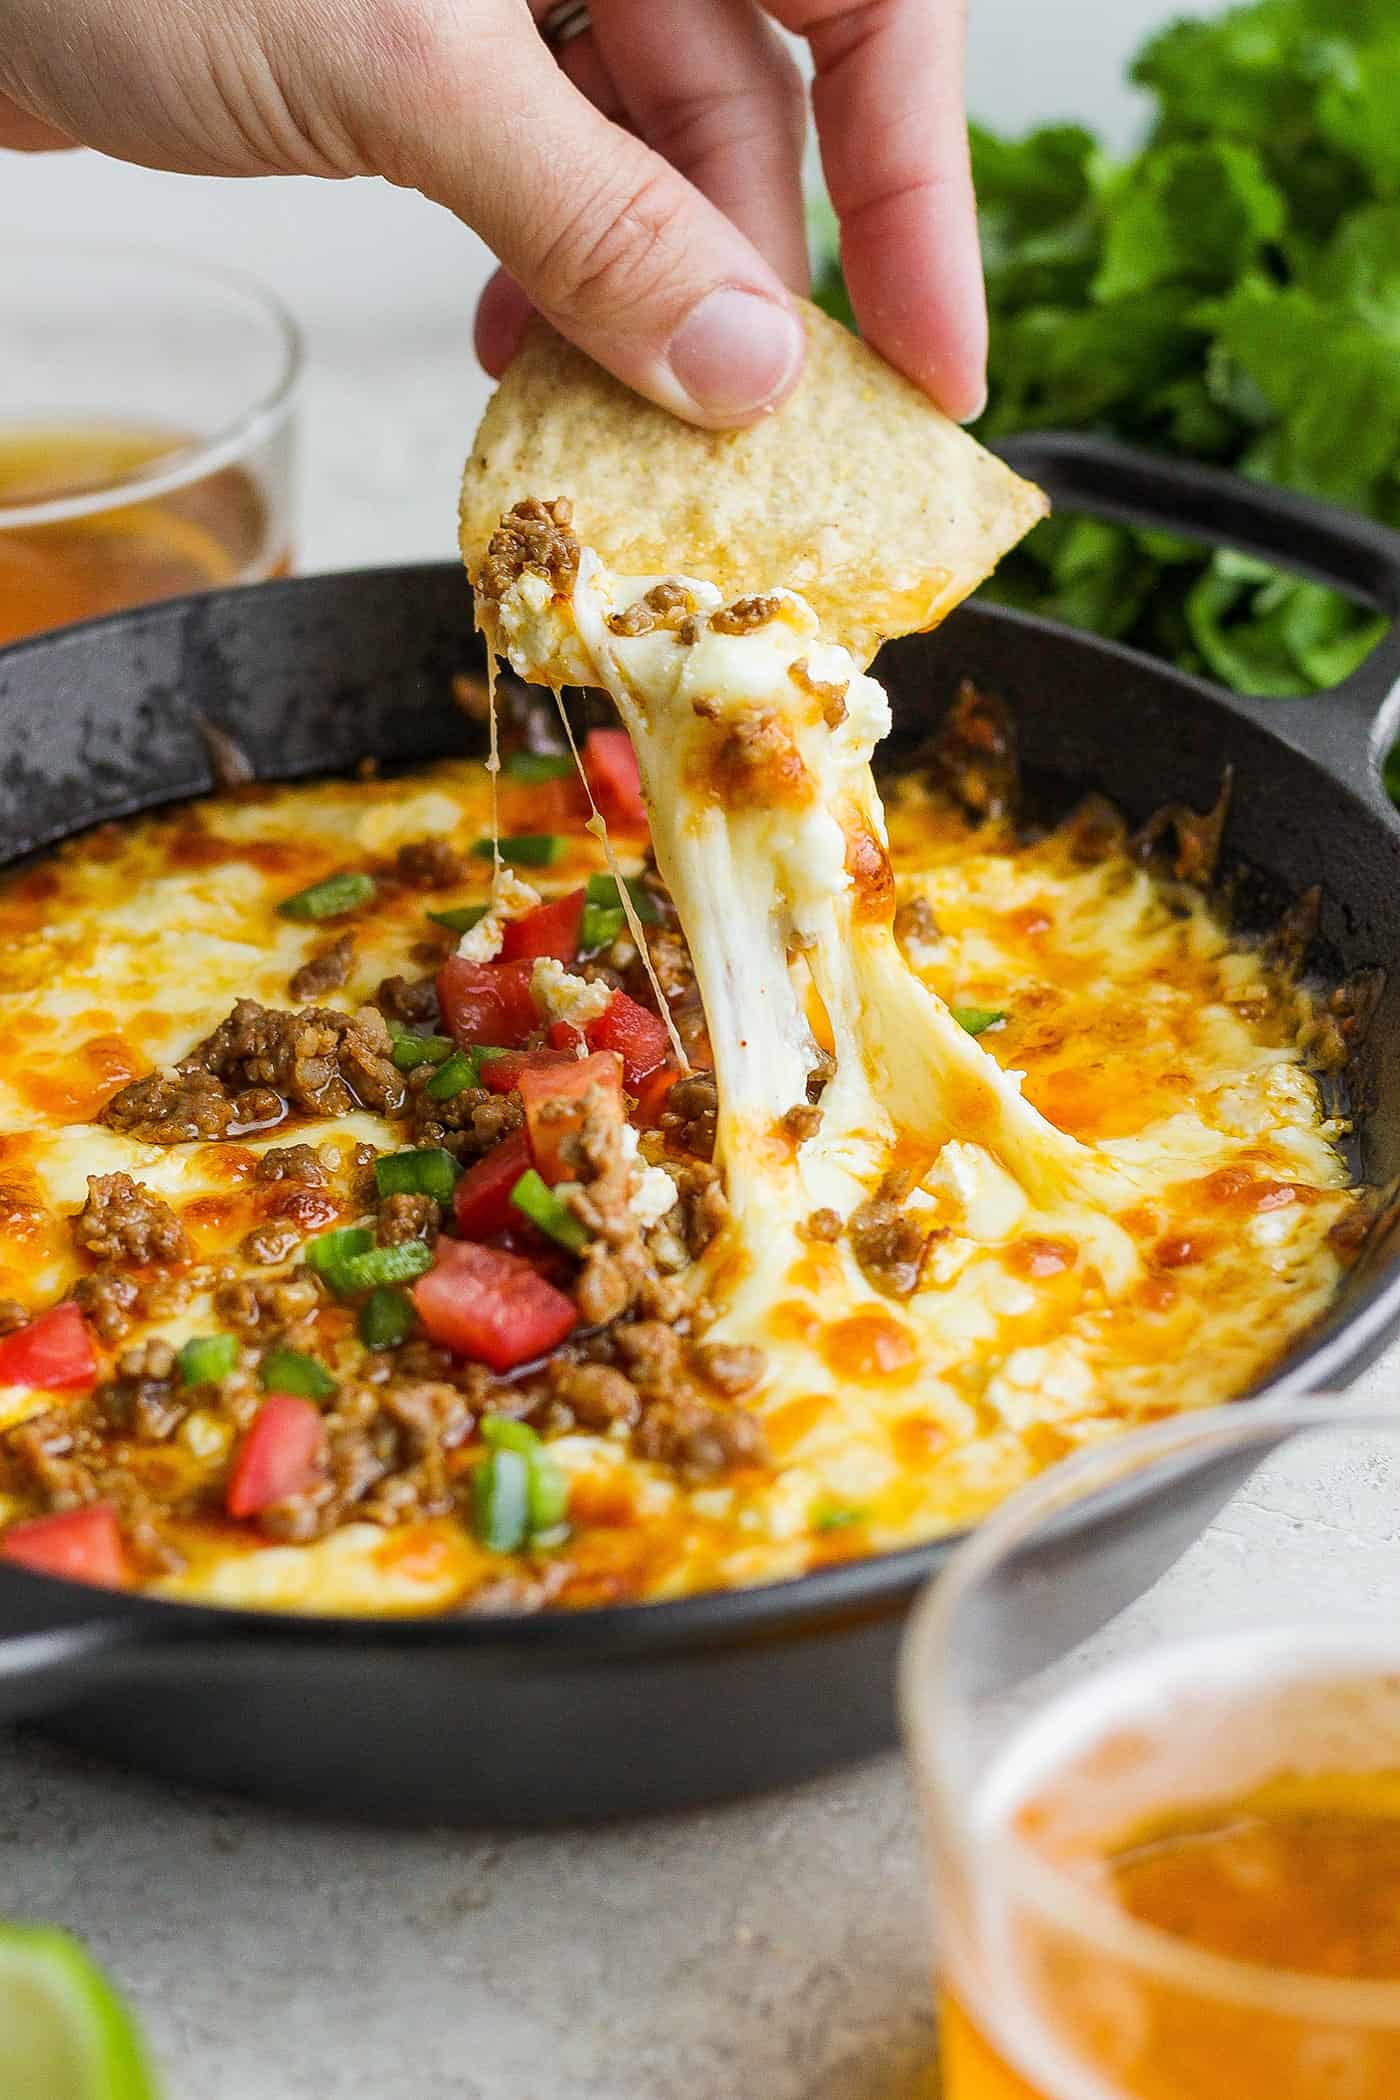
{"x": 872, "y": 1586}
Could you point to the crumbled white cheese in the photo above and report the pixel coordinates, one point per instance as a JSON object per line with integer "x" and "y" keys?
{"x": 560, "y": 996}
{"x": 511, "y": 898}
{"x": 985, "y": 1200}
{"x": 652, "y": 1193}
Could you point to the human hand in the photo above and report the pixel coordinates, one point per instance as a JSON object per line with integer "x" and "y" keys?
{"x": 644, "y": 193}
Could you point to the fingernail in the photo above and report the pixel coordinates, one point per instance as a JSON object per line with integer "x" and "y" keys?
{"x": 735, "y": 351}
{"x": 975, "y": 416}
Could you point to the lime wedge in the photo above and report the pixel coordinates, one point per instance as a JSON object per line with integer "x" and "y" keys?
{"x": 64, "y": 2033}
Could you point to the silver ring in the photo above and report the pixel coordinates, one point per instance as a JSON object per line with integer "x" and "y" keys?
{"x": 560, "y": 24}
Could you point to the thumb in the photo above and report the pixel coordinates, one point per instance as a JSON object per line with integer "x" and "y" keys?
{"x": 604, "y": 237}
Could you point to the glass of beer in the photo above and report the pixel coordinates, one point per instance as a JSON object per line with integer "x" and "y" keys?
{"x": 1153, "y": 1708}
{"x": 146, "y": 411}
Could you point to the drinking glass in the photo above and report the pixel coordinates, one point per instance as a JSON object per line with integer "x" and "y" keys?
{"x": 146, "y": 425}
{"x": 1143, "y": 1702}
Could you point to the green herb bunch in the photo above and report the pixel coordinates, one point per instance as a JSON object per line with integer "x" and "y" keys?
{"x": 1231, "y": 294}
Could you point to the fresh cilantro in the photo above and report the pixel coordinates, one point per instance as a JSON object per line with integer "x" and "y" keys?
{"x": 1230, "y": 293}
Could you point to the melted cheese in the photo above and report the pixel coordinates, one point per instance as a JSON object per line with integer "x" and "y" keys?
{"x": 1151, "y": 1047}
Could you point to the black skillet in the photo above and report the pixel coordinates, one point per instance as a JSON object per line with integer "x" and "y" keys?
{"x": 643, "y": 1708}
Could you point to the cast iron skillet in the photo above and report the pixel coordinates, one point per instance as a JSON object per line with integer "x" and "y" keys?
{"x": 657, "y": 1706}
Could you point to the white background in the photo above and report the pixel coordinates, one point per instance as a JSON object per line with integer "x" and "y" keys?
{"x": 384, "y": 283}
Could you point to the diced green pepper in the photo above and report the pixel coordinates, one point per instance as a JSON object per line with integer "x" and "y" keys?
{"x": 330, "y": 898}
{"x": 501, "y": 1500}
{"x": 461, "y": 1070}
{"x": 411, "y": 1051}
{"x": 549, "y": 1493}
{"x": 603, "y": 890}
{"x": 527, "y": 849}
{"x": 401, "y": 1263}
{"x": 428, "y": 1172}
{"x": 539, "y": 765}
{"x": 496, "y": 1484}
{"x": 208, "y": 1358}
{"x": 291, "y": 1371}
{"x": 600, "y": 926}
{"x": 835, "y": 1516}
{"x": 386, "y": 1318}
{"x": 536, "y": 1200}
{"x": 978, "y": 1019}
{"x": 330, "y": 1252}
{"x": 461, "y": 918}
{"x": 503, "y": 1431}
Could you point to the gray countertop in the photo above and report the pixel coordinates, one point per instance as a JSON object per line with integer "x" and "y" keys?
{"x": 776, "y": 1950}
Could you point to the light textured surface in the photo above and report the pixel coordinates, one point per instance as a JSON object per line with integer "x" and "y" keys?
{"x": 775, "y": 1951}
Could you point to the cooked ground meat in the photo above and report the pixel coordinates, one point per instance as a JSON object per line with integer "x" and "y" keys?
{"x": 665, "y": 605}
{"x": 326, "y": 971}
{"x": 430, "y": 864}
{"x": 299, "y": 1163}
{"x": 412, "y": 1000}
{"x": 143, "y": 1400}
{"x": 973, "y": 755}
{"x": 533, "y": 536}
{"x": 320, "y": 1060}
{"x": 823, "y": 1225}
{"x": 597, "y": 1395}
{"x": 122, "y": 1221}
{"x": 756, "y": 761}
{"x": 386, "y": 1458}
{"x": 109, "y": 1300}
{"x": 637, "y": 618}
{"x": 701, "y": 1441}
{"x": 745, "y": 614}
{"x": 171, "y": 1108}
{"x": 265, "y": 1308}
{"x": 269, "y": 1244}
{"x": 691, "y": 1115}
{"x": 704, "y": 1206}
{"x": 888, "y": 1243}
{"x": 829, "y": 691}
{"x": 44, "y": 1456}
{"x": 734, "y": 1367}
{"x": 467, "y": 1125}
{"x": 12, "y": 1315}
{"x": 802, "y": 1122}
{"x": 407, "y": 1217}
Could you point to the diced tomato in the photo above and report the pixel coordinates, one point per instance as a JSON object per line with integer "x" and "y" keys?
{"x": 53, "y": 1352}
{"x": 486, "y": 1002}
{"x": 481, "y": 1199}
{"x": 611, "y": 770}
{"x": 81, "y": 1545}
{"x": 544, "y": 805}
{"x": 492, "y": 1307}
{"x": 502, "y": 1073}
{"x": 281, "y": 1454}
{"x": 652, "y": 1093}
{"x": 639, "y": 1037}
{"x": 551, "y": 929}
{"x": 564, "y": 1036}
{"x": 553, "y": 1102}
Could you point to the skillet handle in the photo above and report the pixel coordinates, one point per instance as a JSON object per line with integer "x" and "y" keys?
{"x": 1321, "y": 541}
{"x": 58, "y": 1638}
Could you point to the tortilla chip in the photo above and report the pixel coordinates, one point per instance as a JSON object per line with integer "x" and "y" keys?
{"x": 858, "y": 492}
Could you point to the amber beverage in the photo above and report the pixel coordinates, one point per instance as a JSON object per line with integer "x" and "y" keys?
{"x": 120, "y": 536}
{"x": 1169, "y": 1869}
{"x": 145, "y": 441}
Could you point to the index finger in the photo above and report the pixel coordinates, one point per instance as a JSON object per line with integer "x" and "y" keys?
{"x": 888, "y": 98}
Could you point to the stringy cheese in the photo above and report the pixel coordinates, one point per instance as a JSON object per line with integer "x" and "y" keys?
{"x": 755, "y": 752}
